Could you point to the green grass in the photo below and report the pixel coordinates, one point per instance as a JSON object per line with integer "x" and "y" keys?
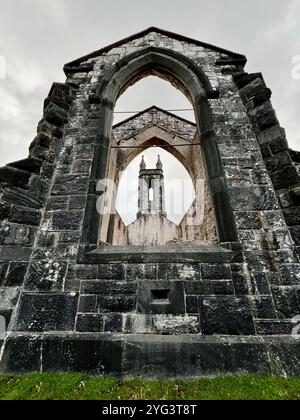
{"x": 53, "y": 386}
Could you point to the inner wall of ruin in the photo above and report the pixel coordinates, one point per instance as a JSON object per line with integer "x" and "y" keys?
{"x": 155, "y": 127}
{"x": 63, "y": 296}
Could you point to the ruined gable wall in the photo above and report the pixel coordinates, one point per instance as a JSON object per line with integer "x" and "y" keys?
{"x": 256, "y": 291}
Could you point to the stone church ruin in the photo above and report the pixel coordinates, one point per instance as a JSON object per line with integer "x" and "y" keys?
{"x": 218, "y": 293}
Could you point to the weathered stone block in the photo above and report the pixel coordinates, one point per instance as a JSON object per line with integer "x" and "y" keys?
{"x": 111, "y": 272}
{"x": 87, "y": 303}
{"x": 216, "y": 271}
{"x": 260, "y": 284}
{"x": 176, "y": 271}
{"x": 22, "y": 198}
{"x": 92, "y": 323}
{"x": 40, "y": 312}
{"x": 191, "y": 304}
{"x": 248, "y": 220}
{"x": 70, "y": 185}
{"x": 150, "y": 271}
{"x": 108, "y": 287}
{"x": 285, "y": 177}
{"x": 278, "y": 145}
{"x": 278, "y": 161}
{"x": 222, "y": 288}
{"x": 71, "y": 237}
{"x": 264, "y": 116}
{"x": 113, "y": 323}
{"x": 265, "y": 151}
{"x": 9, "y": 297}
{"x": 16, "y": 274}
{"x": 170, "y": 325}
{"x": 77, "y": 202}
{"x": 134, "y": 272}
{"x": 263, "y": 307}
{"x": 58, "y": 203}
{"x": 25, "y": 216}
{"x": 87, "y": 271}
{"x": 3, "y": 270}
{"x": 116, "y": 303}
{"x": 14, "y": 177}
{"x": 271, "y": 134}
{"x": 198, "y": 287}
{"x": 292, "y": 216}
{"x": 46, "y": 275}
{"x": 23, "y": 354}
{"x": 67, "y": 220}
{"x": 56, "y": 115}
{"x": 12, "y": 234}
{"x": 287, "y": 300}
{"x": 43, "y": 140}
{"x": 253, "y": 198}
{"x": 30, "y": 164}
{"x": 290, "y": 274}
{"x": 240, "y": 284}
{"x": 4, "y": 211}
{"x": 295, "y": 231}
{"x": 15, "y": 253}
{"x": 273, "y": 327}
{"x": 225, "y": 315}
{"x": 81, "y": 167}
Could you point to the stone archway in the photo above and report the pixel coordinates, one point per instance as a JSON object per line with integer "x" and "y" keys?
{"x": 179, "y": 137}
{"x": 189, "y": 78}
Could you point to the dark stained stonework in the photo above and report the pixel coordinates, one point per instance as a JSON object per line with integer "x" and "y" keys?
{"x": 151, "y": 357}
{"x": 182, "y": 310}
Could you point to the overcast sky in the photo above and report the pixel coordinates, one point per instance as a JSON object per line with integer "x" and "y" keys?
{"x": 39, "y": 36}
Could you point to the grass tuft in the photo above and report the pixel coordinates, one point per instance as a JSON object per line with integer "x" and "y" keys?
{"x": 77, "y": 386}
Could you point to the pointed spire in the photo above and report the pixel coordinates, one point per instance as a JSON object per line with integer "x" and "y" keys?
{"x": 159, "y": 163}
{"x": 143, "y": 164}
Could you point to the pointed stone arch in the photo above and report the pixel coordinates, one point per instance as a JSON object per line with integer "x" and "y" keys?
{"x": 188, "y": 77}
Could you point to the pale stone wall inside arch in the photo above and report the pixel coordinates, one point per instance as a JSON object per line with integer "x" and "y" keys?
{"x": 180, "y": 138}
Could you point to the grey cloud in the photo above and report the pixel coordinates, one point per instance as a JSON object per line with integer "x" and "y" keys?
{"x": 38, "y": 37}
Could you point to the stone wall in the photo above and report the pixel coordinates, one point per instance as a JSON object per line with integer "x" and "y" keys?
{"x": 24, "y": 187}
{"x": 53, "y": 282}
{"x": 152, "y": 229}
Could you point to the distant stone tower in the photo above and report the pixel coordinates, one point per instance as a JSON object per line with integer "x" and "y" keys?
{"x": 151, "y": 190}
{"x": 152, "y": 226}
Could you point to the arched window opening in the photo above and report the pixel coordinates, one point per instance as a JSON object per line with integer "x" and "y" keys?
{"x": 151, "y": 190}
{"x": 170, "y": 206}
{"x": 179, "y": 188}
{"x": 153, "y": 90}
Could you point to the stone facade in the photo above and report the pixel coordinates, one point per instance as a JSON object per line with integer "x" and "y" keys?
{"x": 64, "y": 295}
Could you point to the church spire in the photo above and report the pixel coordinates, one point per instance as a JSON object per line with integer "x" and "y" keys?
{"x": 143, "y": 164}
{"x": 159, "y": 164}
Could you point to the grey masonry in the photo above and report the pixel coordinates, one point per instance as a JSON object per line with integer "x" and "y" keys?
{"x": 72, "y": 300}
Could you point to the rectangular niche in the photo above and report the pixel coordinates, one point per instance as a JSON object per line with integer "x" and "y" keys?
{"x": 160, "y": 297}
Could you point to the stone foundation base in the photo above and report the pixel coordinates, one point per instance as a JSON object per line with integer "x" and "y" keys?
{"x": 152, "y": 356}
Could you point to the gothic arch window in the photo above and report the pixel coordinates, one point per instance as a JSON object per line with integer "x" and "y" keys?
{"x": 188, "y": 78}
{"x": 151, "y": 189}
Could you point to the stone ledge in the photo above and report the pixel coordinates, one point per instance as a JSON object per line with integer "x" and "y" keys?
{"x": 155, "y": 357}
{"x": 171, "y": 253}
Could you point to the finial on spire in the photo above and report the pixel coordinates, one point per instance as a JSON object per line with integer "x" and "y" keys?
{"x": 159, "y": 163}
{"x": 143, "y": 164}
